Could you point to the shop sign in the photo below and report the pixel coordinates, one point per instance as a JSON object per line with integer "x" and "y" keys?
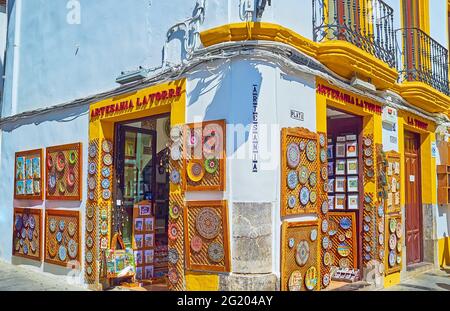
{"x": 433, "y": 149}
{"x": 297, "y": 115}
{"x": 346, "y": 98}
{"x": 417, "y": 123}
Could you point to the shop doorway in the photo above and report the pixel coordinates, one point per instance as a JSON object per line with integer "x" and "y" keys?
{"x": 346, "y": 192}
{"x": 142, "y": 195}
{"x": 413, "y": 204}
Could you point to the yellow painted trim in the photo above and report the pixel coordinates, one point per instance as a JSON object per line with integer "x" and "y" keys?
{"x": 444, "y": 252}
{"x": 424, "y": 96}
{"x": 340, "y": 56}
{"x": 392, "y": 280}
{"x": 202, "y": 282}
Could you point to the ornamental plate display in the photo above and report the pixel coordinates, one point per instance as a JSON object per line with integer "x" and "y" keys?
{"x": 292, "y": 201}
{"x": 304, "y": 196}
{"x": 107, "y": 146}
{"x": 175, "y": 177}
{"x": 324, "y": 207}
{"x": 196, "y": 244}
{"x": 311, "y": 151}
{"x": 392, "y": 225}
{"x": 195, "y": 171}
{"x": 392, "y": 259}
{"x": 311, "y": 278}
{"x": 173, "y": 256}
{"x": 295, "y": 281}
{"x": 345, "y": 223}
{"x": 303, "y": 175}
{"x": 292, "y": 180}
{"x": 208, "y": 223}
{"x": 313, "y": 235}
{"x": 302, "y": 253}
{"x": 313, "y": 179}
{"x": 392, "y": 242}
{"x": 399, "y": 230}
{"x": 216, "y": 252}
{"x": 313, "y": 197}
{"x": 293, "y": 155}
{"x": 211, "y": 165}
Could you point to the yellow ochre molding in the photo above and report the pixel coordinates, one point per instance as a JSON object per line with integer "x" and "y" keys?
{"x": 423, "y": 96}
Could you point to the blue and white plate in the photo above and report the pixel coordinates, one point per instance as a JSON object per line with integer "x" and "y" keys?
{"x": 345, "y": 223}
{"x": 62, "y": 253}
{"x": 304, "y": 196}
{"x": 32, "y": 221}
{"x": 62, "y": 225}
{"x": 106, "y": 172}
{"x": 292, "y": 180}
{"x": 381, "y": 210}
{"x": 106, "y": 183}
{"x": 59, "y": 237}
{"x": 292, "y": 201}
{"x": 175, "y": 177}
{"x": 18, "y": 222}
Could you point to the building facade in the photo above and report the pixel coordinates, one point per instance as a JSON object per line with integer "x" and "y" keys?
{"x": 226, "y": 145}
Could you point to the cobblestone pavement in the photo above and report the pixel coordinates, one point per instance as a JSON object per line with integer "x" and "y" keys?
{"x": 438, "y": 280}
{"x": 18, "y": 278}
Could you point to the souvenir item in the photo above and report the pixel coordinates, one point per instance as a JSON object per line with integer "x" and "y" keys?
{"x": 196, "y": 243}
{"x": 195, "y": 171}
{"x": 25, "y": 220}
{"x": 323, "y": 155}
{"x": 104, "y": 228}
{"x": 304, "y": 196}
{"x": 107, "y": 146}
{"x": 367, "y": 257}
{"x": 92, "y": 168}
{"x": 352, "y": 203}
{"x": 303, "y": 175}
{"x": 18, "y": 222}
{"x": 326, "y": 280}
{"x": 341, "y": 237}
{"x": 392, "y": 225}
{"x": 340, "y": 150}
{"x": 399, "y": 246}
{"x": 106, "y": 194}
{"x": 291, "y": 243}
{"x": 339, "y": 202}
{"x": 295, "y": 281}
{"x": 367, "y": 248}
{"x": 173, "y": 256}
{"x": 313, "y": 179}
{"x": 367, "y": 142}
{"x": 106, "y": 172}
{"x": 345, "y": 223}
{"x": 52, "y": 181}
{"x": 366, "y": 228}
{"x": 392, "y": 259}
{"x": 62, "y": 253}
{"x": 313, "y": 235}
{"x": 327, "y": 259}
{"x": 71, "y": 229}
{"x": 368, "y": 152}
{"x": 104, "y": 214}
{"x": 60, "y": 162}
{"x": 174, "y": 211}
{"x": 399, "y": 260}
{"x": 381, "y": 211}
{"x": 330, "y": 153}
{"x": 293, "y": 155}
{"x": 62, "y": 186}
{"x": 398, "y": 230}
{"x": 292, "y": 180}
{"x": 25, "y": 249}
{"x": 89, "y": 242}
{"x": 370, "y": 173}
{"x": 302, "y": 146}
{"x": 173, "y": 276}
{"x": 173, "y": 231}
{"x": 324, "y": 226}
{"x": 367, "y": 219}
{"x": 369, "y": 162}
{"x": 175, "y": 133}
{"x": 344, "y": 263}
{"x": 49, "y": 162}
{"x": 302, "y": 253}
{"x": 73, "y": 249}
{"x": 91, "y": 195}
{"x": 311, "y": 278}
{"x": 343, "y": 249}
{"x": 175, "y": 177}
{"x": 33, "y": 246}
{"x": 215, "y": 252}
{"x": 325, "y": 242}
{"x": 324, "y": 173}
{"x": 332, "y": 228}
{"x": 352, "y": 149}
{"x": 208, "y": 223}
{"x": 72, "y": 157}
{"x": 324, "y": 207}
{"x": 92, "y": 183}
{"x": 107, "y": 159}
{"x": 392, "y": 242}
{"x": 52, "y": 225}
{"x": 89, "y": 226}
{"x": 62, "y": 225}
{"x": 193, "y": 137}
{"x": 89, "y": 257}
{"x": 92, "y": 150}
{"x": 313, "y": 197}
{"x": 348, "y": 234}
{"x": 325, "y": 187}
{"x": 367, "y": 199}
{"x": 106, "y": 183}
{"x": 367, "y": 238}
{"x": 30, "y": 234}
{"x": 340, "y": 184}
{"x": 71, "y": 178}
{"x": 340, "y": 167}
{"x": 311, "y": 151}
{"x": 52, "y": 248}
{"x": 90, "y": 211}
{"x": 322, "y": 140}
{"x": 381, "y": 239}
{"x": 381, "y": 254}
{"x": 211, "y": 165}
{"x": 32, "y": 221}
{"x": 292, "y": 201}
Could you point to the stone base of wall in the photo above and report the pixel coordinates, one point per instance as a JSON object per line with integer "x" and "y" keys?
{"x": 248, "y": 282}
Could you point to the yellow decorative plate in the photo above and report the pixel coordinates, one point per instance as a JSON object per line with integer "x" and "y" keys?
{"x": 195, "y": 171}
{"x": 311, "y": 278}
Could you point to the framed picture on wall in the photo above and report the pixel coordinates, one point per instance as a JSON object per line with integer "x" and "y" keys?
{"x": 352, "y": 166}
{"x": 340, "y": 184}
{"x": 352, "y": 149}
{"x": 340, "y": 150}
{"x": 331, "y": 203}
{"x": 340, "y": 167}
{"x": 330, "y": 185}
{"x": 352, "y": 184}
{"x": 340, "y": 201}
{"x": 330, "y": 153}
{"x": 353, "y": 202}
{"x": 341, "y": 139}
{"x": 330, "y": 169}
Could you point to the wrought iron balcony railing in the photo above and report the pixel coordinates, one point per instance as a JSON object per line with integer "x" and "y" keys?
{"x": 368, "y": 24}
{"x": 423, "y": 59}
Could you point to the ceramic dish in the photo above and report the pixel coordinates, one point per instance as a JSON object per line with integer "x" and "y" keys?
{"x": 292, "y": 180}
{"x": 311, "y": 151}
{"x": 195, "y": 171}
{"x": 211, "y": 165}
{"x": 295, "y": 281}
{"x": 293, "y": 155}
{"x": 107, "y": 146}
{"x": 107, "y": 159}
{"x": 60, "y": 161}
{"x": 196, "y": 243}
{"x": 216, "y": 252}
{"x": 302, "y": 253}
{"x": 304, "y": 196}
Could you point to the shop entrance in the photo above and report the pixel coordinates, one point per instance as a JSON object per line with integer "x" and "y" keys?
{"x": 413, "y": 204}
{"x": 346, "y": 192}
{"x": 142, "y": 194}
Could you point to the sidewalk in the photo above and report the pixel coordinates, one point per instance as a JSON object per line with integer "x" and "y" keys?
{"x": 17, "y": 278}
{"x": 438, "y": 280}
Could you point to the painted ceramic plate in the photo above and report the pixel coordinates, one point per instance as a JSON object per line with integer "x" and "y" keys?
{"x": 381, "y": 210}
{"x": 368, "y": 248}
{"x": 366, "y": 228}
{"x": 325, "y": 226}
{"x": 211, "y": 165}
{"x": 399, "y": 260}
{"x": 292, "y": 180}
{"x": 72, "y": 157}
{"x": 60, "y": 162}
{"x": 392, "y": 242}
{"x": 89, "y": 242}
{"x": 30, "y": 234}
{"x": 313, "y": 197}
{"x": 106, "y": 183}
{"x": 106, "y": 172}
{"x": 107, "y": 146}
{"x": 92, "y": 150}
{"x": 332, "y": 228}
{"x": 322, "y": 140}
{"x": 52, "y": 225}
{"x": 381, "y": 239}
{"x": 325, "y": 242}
{"x": 174, "y": 211}
{"x": 91, "y": 195}
{"x": 348, "y": 234}
{"x": 295, "y": 281}
{"x": 73, "y": 249}
{"x": 71, "y": 178}
{"x": 370, "y": 173}
{"x": 193, "y": 137}
{"x": 89, "y": 257}
{"x": 325, "y": 207}
{"x": 173, "y": 256}
{"x": 292, "y": 201}
{"x": 195, "y": 171}
{"x": 344, "y": 263}
{"x": 173, "y": 276}
{"x": 368, "y": 142}
{"x": 52, "y": 248}
{"x": 175, "y": 177}
{"x": 32, "y": 221}
{"x": 25, "y": 220}
{"x": 369, "y": 162}
{"x": 367, "y": 238}
{"x": 89, "y": 226}
{"x": 368, "y": 152}
{"x": 25, "y": 249}
{"x": 293, "y": 155}
{"x": 175, "y": 153}
{"x": 52, "y": 181}
{"x": 304, "y": 196}
{"x": 325, "y": 187}
{"x": 399, "y": 246}
{"x": 92, "y": 168}
{"x": 196, "y": 243}
{"x": 392, "y": 259}
{"x": 216, "y": 252}
{"x": 62, "y": 187}
{"x": 49, "y": 162}
{"x": 399, "y": 230}
{"x": 326, "y": 280}
{"x": 208, "y": 223}
{"x": 175, "y": 133}
{"x": 311, "y": 278}
{"x": 323, "y": 155}
{"x": 345, "y": 223}
{"x": 302, "y": 253}
{"x": 313, "y": 235}
{"x": 313, "y": 179}
{"x": 90, "y": 211}
{"x": 327, "y": 259}
{"x": 107, "y": 159}
{"x": 291, "y": 243}
{"x": 59, "y": 237}
{"x": 92, "y": 183}
{"x": 392, "y": 225}
{"x": 343, "y": 249}
{"x": 62, "y": 253}
{"x": 173, "y": 232}
{"x": 71, "y": 228}
{"x": 106, "y": 194}
{"x": 303, "y": 175}
{"x": 367, "y": 219}
{"x": 302, "y": 146}
{"x": 367, "y": 199}
{"x": 18, "y": 223}
{"x": 311, "y": 151}
{"x": 89, "y": 270}
{"x": 33, "y": 246}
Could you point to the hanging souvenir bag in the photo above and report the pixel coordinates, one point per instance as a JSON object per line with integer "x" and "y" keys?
{"x": 119, "y": 263}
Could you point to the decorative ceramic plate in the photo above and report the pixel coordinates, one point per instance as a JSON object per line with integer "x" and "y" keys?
{"x": 89, "y": 226}
{"x": 92, "y": 168}
{"x": 196, "y": 244}
{"x": 104, "y": 214}
{"x": 369, "y": 162}
{"x": 381, "y": 210}
{"x": 392, "y": 242}
{"x": 106, "y": 183}
{"x": 341, "y": 237}
{"x": 326, "y": 280}
{"x": 52, "y": 248}
{"x": 59, "y": 237}
{"x": 348, "y": 234}
{"x": 208, "y": 223}
{"x": 173, "y": 256}
{"x": 89, "y": 257}
{"x": 72, "y": 157}
{"x": 25, "y": 249}
{"x": 89, "y": 242}
{"x": 325, "y": 187}
{"x": 106, "y": 172}
{"x": 366, "y": 228}
{"x": 367, "y": 257}
{"x": 52, "y": 181}
{"x": 175, "y": 153}
{"x": 193, "y": 137}
{"x": 92, "y": 183}
{"x": 91, "y": 195}
{"x": 302, "y": 253}
{"x": 325, "y": 207}
{"x": 399, "y": 246}
{"x": 62, "y": 225}
{"x": 107, "y": 159}
{"x": 90, "y": 211}
{"x": 311, "y": 278}
{"x": 345, "y": 223}
{"x": 175, "y": 133}
{"x": 62, "y": 187}
{"x": 73, "y": 249}
{"x": 311, "y": 151}
{"x": 327, "y": 259}
{"x": 107, "y": 146}
{"x": 33, "y": 245}
{"x": 367, "y": 238}
{"x": 292, "y": 201}
{"x": 174, "y": 211}
{"x": 368, "y": 248}
{"x": 49, "y": 162}
{"x": 303, "y": 175}
{"x": 71, "y": 228}
{"x": 381, "y": 254}
{"x": 216, "y": 252}
{"x": 60, "y": 161}
{"x": 292, "y": 180}
{"x": 71, "y": 178}
{"x": 32, "y": 221}
{"x": 24, "y": 233}
{"x": 399, "y": 230}
{"x": 211, "y": 165}
{"x": 18, "y": 222}
{"x": 322, "y": 140}
{"x": 392, "y": 259}
{"x": 343, "y": 249}
{"x": 175, "y": 177}
{"x": 313, "y": 197}
{"x": 195, "y": 171}
{"x": 295, "y": 281}
{"x": 89, "y": 270}
{"x": 25, "y": 220}
{"x": 323, "y": 155}
{"x": 368, "y": 152}
{"x": 304, "y": 196}
{"x": 367, "y": 199}
{"x": 291, "y": 243}
{"x": 313, "y": 179}
{"x": 173, "y": 276}
{"x": 324, "y": 226}
{"x": 173, "y": 232}
{"x": 62, "y": 253}
{"x": 367, "y": 219}
{"x": 93, "y": 150}
{"x": 52, "y": 225}
{"x": 344, "y": 263}
{"x": 370, "y": 173}
{"x": 293, "y": 155}
{"x": 30, "y": 234}
{"x": 106, "y": 194}
{"x": 325, "y": 242}
{"x": 302, "y": 146}
{"x": 392, "y": 225}
{"x": 381, "y": 227}
{"x": 367, "y": 142}
{"x": 399, "y": 260}
{"x": 381, "y": 239}
{"x": 313, "y": 235}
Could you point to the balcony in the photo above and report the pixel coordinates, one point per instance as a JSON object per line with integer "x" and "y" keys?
{"x": 423, "y": 60}
{"x": 367, "y": 24}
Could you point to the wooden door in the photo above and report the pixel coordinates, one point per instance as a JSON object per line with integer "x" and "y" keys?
{"x": 413, "y": 204}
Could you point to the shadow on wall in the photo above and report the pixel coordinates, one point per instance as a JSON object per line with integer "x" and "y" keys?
{"x": 233, "y": 84}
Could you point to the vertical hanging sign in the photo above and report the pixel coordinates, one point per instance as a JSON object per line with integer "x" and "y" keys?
{"x": 254, "y": 130}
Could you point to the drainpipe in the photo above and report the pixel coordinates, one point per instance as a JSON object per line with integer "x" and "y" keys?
{"x": 14, "y": 51}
